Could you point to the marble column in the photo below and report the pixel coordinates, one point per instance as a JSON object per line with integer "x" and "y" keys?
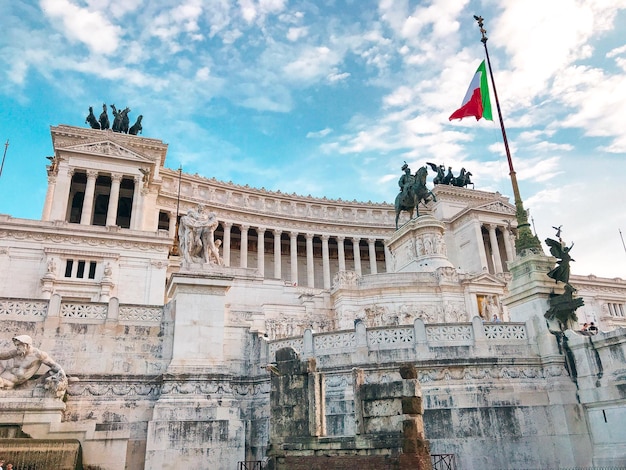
{"x": 357, "y": 255}
{"x": 171, "y": 229}
{"x": 294, "y": 257}
{"x": 388, "y": 260}
{"x": 508, "y": 246}
{"x": 47, "y": 206}
{"x": 277, "y": 254}
{"x": 243, "y": 262}
{"x": 495, "y": 250}
{"x": 90, "y": 188}
{"x": 371, "y": 243}
{"x": 226, "y": 243}
{"x": 326, "y": 261}
{"x": 114, "y": 198}
{"x": 341, "y": 253}
{"x": 310, "y": 270}
{"x": 135, "y": 215}
{"x": 260, "y": 250}
{"x": 484, "y": 266}
{"x": 68, "y": 192}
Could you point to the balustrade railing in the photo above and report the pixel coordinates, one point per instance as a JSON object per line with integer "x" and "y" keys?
{"x": 22, "y": 309}
{"x": 76, "y": 312}
{"x": 403, "y": 337}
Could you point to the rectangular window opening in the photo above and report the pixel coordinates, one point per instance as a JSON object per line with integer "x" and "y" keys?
{"x": 69, "y": 264}
{"x": 92, "y": 269}
{"x": 80, "y": 272}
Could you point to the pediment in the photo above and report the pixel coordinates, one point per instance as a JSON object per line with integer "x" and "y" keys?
{"x": 107, "y": 148}
{"x": 486, "y": 279}
{"x": 497, "y": 206}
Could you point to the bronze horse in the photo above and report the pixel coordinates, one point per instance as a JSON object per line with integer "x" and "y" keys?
{"x": 91, "y": 119}
{"x": 416, "y": 193}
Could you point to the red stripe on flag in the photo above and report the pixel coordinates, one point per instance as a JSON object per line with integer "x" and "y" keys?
{"x": 474, "y": 107}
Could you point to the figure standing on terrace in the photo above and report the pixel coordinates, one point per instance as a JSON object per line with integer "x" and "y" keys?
{"x": 23, "y": 362}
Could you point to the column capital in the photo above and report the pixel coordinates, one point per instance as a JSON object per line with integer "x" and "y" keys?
{"x": 340, "y": 238}
{"x": 325, "y": 238}
{"x": 244, "y": 228}
{"x": 117, "y": 177}
{"x": 294, "y": 234}
{"x": 356, "y": 239}
{"x": 371, "y": 240}
{"x": 309, "y": 236}
{"x": 277, "y": 232}
{"x": 261, "y": 229}
{"x": 92, "y": 174}
{"x": 227, "y": 225}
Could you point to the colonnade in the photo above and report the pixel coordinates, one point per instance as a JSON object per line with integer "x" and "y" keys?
{"x": 100, "y": 187}
{"x": 327, "y": 260}
{"x": 497, "y": 247}
{"x": 304, "y": 258}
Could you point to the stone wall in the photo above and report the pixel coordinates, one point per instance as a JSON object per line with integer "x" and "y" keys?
{"x": 497, "y": 395}
{"x": 389, "y": 428}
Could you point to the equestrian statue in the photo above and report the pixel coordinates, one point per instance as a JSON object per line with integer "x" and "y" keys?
{"x": 413, "y": 190}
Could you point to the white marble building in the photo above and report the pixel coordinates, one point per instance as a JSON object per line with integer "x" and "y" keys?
{"x": 170, "y": 358}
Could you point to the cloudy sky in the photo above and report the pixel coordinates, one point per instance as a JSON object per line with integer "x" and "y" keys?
{"x": 330, "y": 97}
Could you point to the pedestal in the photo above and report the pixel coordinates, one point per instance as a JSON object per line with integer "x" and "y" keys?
{"x": 419, "y": 246}
{"x": 198, "y": 313}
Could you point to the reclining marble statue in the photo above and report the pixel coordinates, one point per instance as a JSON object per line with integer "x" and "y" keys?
{"x": 22, "y": 363}
{"x": 196, "y": 235}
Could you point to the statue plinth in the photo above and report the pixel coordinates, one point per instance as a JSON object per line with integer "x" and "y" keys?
{"x": 530, "y": 287}
{"x": 419, "y": 246}
{"x": 198, "y": 313}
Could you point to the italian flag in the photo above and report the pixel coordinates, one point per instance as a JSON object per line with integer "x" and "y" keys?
{"x": 476, "y": 102}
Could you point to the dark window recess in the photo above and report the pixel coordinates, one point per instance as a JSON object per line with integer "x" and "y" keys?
{"x": 92, "y": 269}
{"x": 80, "y": 272}
{"x": 77, "y": 207}
{"x": 68, "y": 267}
{"x": 123, "y": 212}
{"x": 100, "y": 209}
{"x": 164, "y": 221}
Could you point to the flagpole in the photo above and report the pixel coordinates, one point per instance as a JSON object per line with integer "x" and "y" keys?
{"x": 525, "y": 238}
{"x": 174, "y": 250}
{"x": 6, "y": 146}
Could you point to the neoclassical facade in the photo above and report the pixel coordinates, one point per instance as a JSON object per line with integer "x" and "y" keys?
{"x": 170, "y": 358}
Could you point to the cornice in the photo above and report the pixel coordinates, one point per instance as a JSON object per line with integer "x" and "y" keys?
{"x": 262, "y": 192}
{"x": 64, "y": 134}
{"x": 63, "y": 233}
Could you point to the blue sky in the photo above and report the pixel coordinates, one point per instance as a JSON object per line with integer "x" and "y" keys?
{"x": 329, "y": 98}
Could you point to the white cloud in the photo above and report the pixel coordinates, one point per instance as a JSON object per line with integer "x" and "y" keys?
{"x": 312, "y": 64}
{"x": 335, "y": 76}
{"x": 293, "y": 34}
{"x": 89, "y": 27}
{"x": 319, "y": 134}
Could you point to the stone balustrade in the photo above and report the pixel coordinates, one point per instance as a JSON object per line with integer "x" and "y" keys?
{"x": 80, "y": 312}
{"x": 411, "y": 342}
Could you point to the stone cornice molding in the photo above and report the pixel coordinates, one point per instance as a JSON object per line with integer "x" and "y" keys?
{"x": 64, "y": 135}
{"x": 51, "y": 233}
{"x": 68, "y": 252}
{"x": 154, "y": 387}
{"x": 242, "y": 201}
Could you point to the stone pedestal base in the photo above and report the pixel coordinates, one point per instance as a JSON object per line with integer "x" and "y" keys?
{"x": 419, "y": 246}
